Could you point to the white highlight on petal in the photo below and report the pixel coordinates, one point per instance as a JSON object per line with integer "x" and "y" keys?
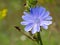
{"x": 48, "y": 18}
{"x": 25, "y": 13}
{"x": 38, "y": 27}
{"x": 45, "y": 27}
{"x": 27, "y": 17}
{"x": 25, "y": 22}
{"x": 47, "y": 13}
{"x": 42, "y": 11}
{"x": 46, "y": 22}
{"x": 35, "y": 29}
{"x": 28, "y": 27}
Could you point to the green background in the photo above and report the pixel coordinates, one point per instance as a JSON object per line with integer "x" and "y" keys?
{"x": 10, "y": 36}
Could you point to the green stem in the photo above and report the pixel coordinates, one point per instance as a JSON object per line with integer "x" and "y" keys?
{"x": 24, "y": 33}
{"x": 39, "y": 39}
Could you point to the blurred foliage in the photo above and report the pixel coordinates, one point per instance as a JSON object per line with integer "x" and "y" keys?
{"x": 30, "y": 4}
{"x": 12, "y": 10}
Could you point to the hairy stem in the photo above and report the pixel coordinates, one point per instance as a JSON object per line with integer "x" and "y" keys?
{"x": 39, "y": 39}
{"x": 23, "y": 33}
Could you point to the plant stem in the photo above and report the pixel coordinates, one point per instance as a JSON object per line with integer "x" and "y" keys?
{"x": 24, "y": 33}
{"x": 39, "y": 39}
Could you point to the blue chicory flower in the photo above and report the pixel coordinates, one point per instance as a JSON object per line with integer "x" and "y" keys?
{"x": 36, "y": 18}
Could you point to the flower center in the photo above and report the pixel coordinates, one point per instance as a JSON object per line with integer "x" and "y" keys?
{"x": 37, "y": 20}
